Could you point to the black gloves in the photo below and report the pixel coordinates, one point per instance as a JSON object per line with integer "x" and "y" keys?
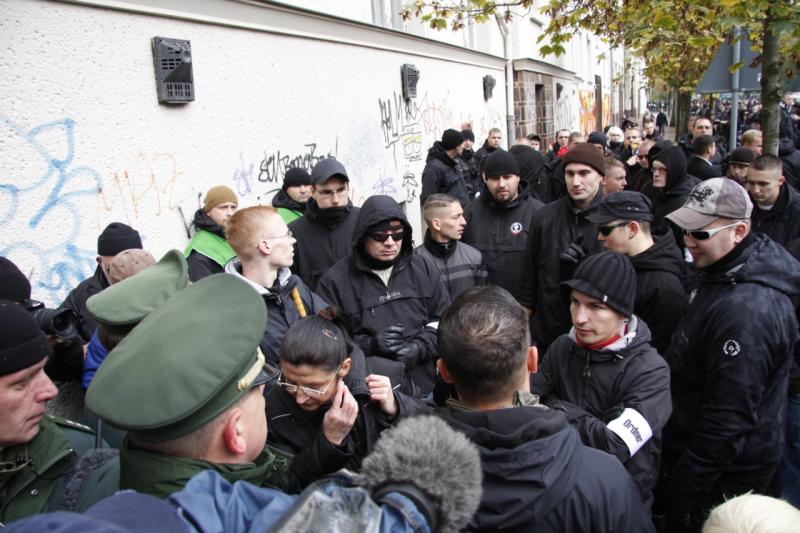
{"x": 570, "y": 258}
{"x": 388, "y": 341}
{"x": 612, "y": 413}
{"x": 409, "y": 354}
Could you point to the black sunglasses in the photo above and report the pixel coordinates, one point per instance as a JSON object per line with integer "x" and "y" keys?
{"x": 383, "y": 237}
{"x": 605, "y": 231}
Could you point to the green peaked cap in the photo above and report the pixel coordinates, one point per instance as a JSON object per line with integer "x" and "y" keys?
{"x": 129, "y": 301}
{"x": 187, "y": 362}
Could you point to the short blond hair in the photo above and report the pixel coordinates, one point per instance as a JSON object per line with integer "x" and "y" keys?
{"x": 753, "y": 513}
{"x": 244, "y": 229}
{"x": 751, "y": 136}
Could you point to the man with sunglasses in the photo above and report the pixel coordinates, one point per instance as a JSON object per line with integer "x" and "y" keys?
{"x": 729, "y": 357}
{"x": 388, "y": 296}
{"x": 324, "y": 233}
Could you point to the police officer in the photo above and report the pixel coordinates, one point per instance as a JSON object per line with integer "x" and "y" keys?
{"x": 37, "y": 452}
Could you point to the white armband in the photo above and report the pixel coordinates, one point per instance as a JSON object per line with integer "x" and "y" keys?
{"x": 434, "y": 325}
{"x": 632, "y": 428}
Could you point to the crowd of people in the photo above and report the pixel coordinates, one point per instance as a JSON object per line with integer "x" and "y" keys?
{"x": 596, "y": 335}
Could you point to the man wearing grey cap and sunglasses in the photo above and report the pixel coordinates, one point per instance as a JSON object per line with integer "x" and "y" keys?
{"x": 729, "y": 358}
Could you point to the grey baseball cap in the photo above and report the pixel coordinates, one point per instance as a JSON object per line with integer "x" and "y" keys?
{"x": 710, "y": 200}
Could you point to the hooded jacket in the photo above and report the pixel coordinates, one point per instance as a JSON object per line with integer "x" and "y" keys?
{"x": 299, "y": 432}
{"x": 414, "y": 295}
{"x": 472, "y": 179}
{"x": 790, "y": 157}
{"x": 288, "y": 209}
{"x": 500, "y": 233}
{"x": 323, "y": 237}
{"x": 76, "y": 300}
{"x": 782, "y": 222}
{"x": 533, "y": 172}
{"x": 539, "y": 477}
{"x": 661, "y": 298}
{"x": 205, "y": 258}
{"x": 553, "y": 228}
{"x": 282, "y": 311}
{"x": 672, "y": 196}
{"x": 729, "y": 361}
{"x": 593, "y": 387}
{"x": 443, "y": 174}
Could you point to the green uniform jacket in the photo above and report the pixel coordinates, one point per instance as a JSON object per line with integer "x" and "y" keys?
{"x": 212, "y": 246}
{"x": 38, "y": 486}
{"x": 161, "y": 475}
{"x": 289, "y": 215}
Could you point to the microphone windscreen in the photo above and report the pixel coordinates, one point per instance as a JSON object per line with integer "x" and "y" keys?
{"x": 429, "y": 454}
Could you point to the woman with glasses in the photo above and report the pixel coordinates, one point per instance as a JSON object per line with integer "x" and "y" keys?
{"x": 326, "y": 407}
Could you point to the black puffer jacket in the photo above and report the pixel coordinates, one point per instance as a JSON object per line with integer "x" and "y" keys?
{"x": 539, "y": 477}
{"x": 323, "y": 237}
{"x": 414, "y": 297}
{"x": 661, "y": 297}
{"x": 500, "y": 233}
{"x": 671, "y": 197}
{"x": 76, "y": 300}
{"x": 443, "y": 174}
{"x": 201, "y": 266}
{"x": 729, "y": 361}
{"x": 592, "y": 387}
{"x": 282, "y": 312}
{"x": 299, "y": 432}
{"x": 782, "y": 222}
{"x": 554, "y": 227}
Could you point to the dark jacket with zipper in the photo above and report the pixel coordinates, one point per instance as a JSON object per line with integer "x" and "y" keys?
{"x": 593, "y": 387}
{"x": 460, "y": 264}
{"x": 323, "y": 237}
{"x": 414, "y": 297}
{"x": 200, "y": 265}
{"x": 500, "y": 233}
{"x": 782, "y": 222}
{"x": 76, "y": 300}
{"x": 443, "y": 174}
{"x": 299, "y": 432}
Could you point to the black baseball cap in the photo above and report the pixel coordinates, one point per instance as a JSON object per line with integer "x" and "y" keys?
{"x": 623, "y": 205}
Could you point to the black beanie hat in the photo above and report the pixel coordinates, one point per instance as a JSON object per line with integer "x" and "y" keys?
{"x": 609, "y": 277}
{"x": 597, "y": 137}
{"x": 500, "y": 162}
{"x": 294, "y": 177}
{"x": 14, "y": 285}
{"x": 451, "y": 139}
{"x": 586, "y": 154}
{"x": 116, "y": 238}
{"x": 468, "y": 135}
{"x": 22, "y": 343}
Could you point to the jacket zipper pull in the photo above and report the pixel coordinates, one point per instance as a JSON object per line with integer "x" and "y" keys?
{"x": 587, "y": 372}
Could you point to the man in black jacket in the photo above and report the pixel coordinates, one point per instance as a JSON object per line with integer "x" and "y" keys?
{"x": 776, "y": 209}
{"x": 115, "y": 238}
{"x": 443, "y": 172}
{"x": 325, "y": 232}
{"x": 389, "y": 297}
{"x": 208, "y": 251}
{"x": 537, "y": 475}
{"x": 491, "y": 144}
{"x": 669, "y": 188}
{"x": 499, "y": 219}
{"x": 729, "y": 358}
{"x": 560, "y": 236}
{"x": 700, "y": 165}
{"x": 623, "y": 225}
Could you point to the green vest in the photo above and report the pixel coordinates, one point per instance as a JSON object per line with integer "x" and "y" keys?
{"x": 37, "y": 486}
{"x": 212, "y": 246}
{"x": 289, "y": 215}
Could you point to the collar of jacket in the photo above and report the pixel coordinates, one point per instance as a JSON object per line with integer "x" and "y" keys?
{"x": 784, "y": 198}
{"x": 522, "y": 398}
{"x": 161, "y": 475}
{"x": 332, "y": 215}
{"x": 234, "y": 267}
{"x": 203, "y": 221}
{"x": 589, "y": 209}
{"x": 439, "y": 249}
{"x": 616, "y": 350}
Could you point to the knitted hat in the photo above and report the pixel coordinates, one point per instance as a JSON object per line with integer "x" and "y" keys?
{"x": 586, "y": 154}
{"x": 14, "y": 285}
{"x": 468, "y": 135}
{"x": 219, "y": 195}
{"x": 500, "y": 162}
{"x": 117, "y": 237}
{"x": 129, "y": 262}
{"x": 597, "y": 138}
{"x": 451, "y": 139}
{"x": 742, "y": 156}
{"x": 22, "y": 343}
{"x": 609, "y": 277}
{"x": 295, "y": 177}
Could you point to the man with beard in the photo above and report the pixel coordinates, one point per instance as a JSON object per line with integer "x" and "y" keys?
{"x": 208, "y": 250}
{"x": 499, "y": 219}
{"x": 324, "y": 234}
{"x": 291, "y": 200}
{"x": 442, "y": 172}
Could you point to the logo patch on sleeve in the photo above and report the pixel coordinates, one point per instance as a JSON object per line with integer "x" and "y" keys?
{"x": 632, "y": 428}
{"x": 731, "y": 348}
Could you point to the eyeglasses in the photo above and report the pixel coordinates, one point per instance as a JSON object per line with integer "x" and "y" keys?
{"x": 605, "y": 231}
{"x": 329, "y": 193}
{"x": 658, "y": 169}
{"x": 288, "y": 234}
{"x": 291, "y": 388}
{"x": 383, "y": 237}
{"x": 705, "y": 234}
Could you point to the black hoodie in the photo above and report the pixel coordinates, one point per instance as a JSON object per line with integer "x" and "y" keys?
{"x": 443, "y": 174}
{"x": 539, "y": 477}
{"x": 782, "y": 222}
{"x": 532, "y": 171}
{"x": 414, "y": 296}
{"x": 674, "y": 194}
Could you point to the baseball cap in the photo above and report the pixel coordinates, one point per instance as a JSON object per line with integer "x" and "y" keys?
{"x": 710, "y": 200}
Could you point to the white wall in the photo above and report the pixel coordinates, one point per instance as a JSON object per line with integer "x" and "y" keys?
{"x": 83, "y": 141}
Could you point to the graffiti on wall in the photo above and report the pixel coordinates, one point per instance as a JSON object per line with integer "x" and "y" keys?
{"x": 563, "y": 112}
{"x": 587, "y": 116}
{"x": 607, "y": 118}
{"x": 42, "y": 192}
